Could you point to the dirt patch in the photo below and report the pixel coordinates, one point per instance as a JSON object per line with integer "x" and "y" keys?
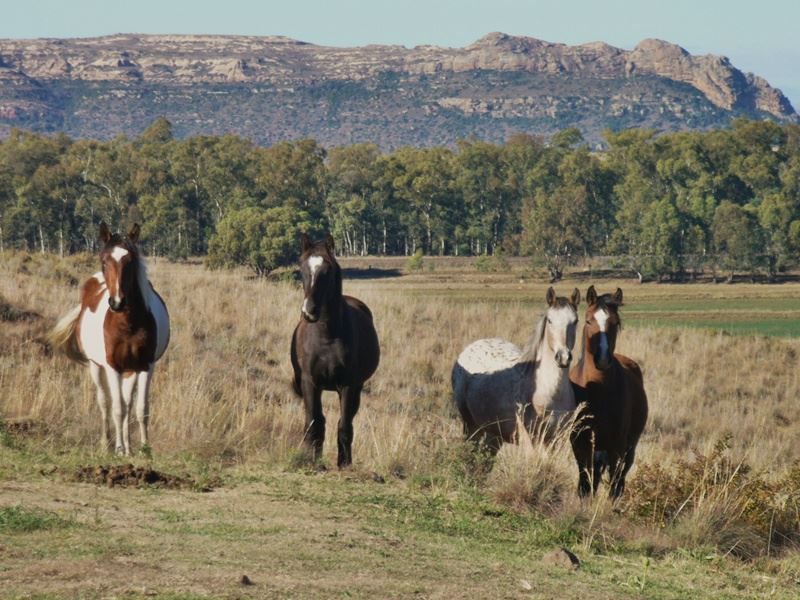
{"x": 131, "y": 476}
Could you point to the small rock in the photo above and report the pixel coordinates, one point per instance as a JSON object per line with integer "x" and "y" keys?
{"x": 245, "y": 580}
{"x": 525, "y": 584}
{"x": 562, "y": 558}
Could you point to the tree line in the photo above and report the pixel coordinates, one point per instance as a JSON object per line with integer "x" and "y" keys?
{"x": 666, "y": 206}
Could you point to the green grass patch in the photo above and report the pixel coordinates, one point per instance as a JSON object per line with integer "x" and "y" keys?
{"x": 18, "y": 519}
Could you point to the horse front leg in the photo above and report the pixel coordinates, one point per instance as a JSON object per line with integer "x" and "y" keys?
{"x": 128, "y": 384}
{"x": 314, "y": 436}
{"x": 114, "y": 380}
{"x": 349, "y": 401}
{"x": 102, "y": 401}
{"x": 619, "y": 473}
{"x": 583, "y": 450}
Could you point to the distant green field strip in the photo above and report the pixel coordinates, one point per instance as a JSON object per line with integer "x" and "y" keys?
{"x": 704, "y": 305}
{"x": 776, "y": 317}
{"x": 769, "y": 326}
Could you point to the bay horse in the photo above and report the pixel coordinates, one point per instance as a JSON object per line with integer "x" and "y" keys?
{"x": 610, "y": 389}
{"x": 494, "y": 381}
{"x": 120, "y": 329}
{"x": 334, "y": 347}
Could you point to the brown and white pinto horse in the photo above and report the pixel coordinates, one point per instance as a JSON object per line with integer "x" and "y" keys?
{"x": 120, "y": 328}
{"x": 334, "y": 347}
{"x": 610, "y": 389}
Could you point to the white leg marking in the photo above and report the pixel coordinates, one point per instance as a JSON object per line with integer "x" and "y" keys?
{"x": 142, "y": 404}
{"x": 117, "y": 408}
{"x": 102, "y": 401}
{"x": 128, "y": 384}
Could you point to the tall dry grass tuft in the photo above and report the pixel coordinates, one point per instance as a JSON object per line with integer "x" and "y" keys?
{"x": 537, "y": 473}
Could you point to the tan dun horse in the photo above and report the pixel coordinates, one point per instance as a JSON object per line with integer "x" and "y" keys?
{"x": 334, "y": 347}
{"x": 494, "y": 381}
{"x": 120, "y": 328}
{"x": 610, "y": 389}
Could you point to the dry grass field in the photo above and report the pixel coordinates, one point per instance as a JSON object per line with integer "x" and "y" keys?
{"x": 711, "y": 508}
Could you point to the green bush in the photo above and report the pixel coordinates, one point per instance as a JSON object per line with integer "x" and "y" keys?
{"x": 262, "y": 239}
{"x": 415, "y": 262}
{"x": 496, "y": 263}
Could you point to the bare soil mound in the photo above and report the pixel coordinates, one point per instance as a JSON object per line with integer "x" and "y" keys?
{"x": 131, "y": 476}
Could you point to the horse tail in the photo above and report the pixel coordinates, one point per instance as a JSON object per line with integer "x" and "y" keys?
{"x": 62, "y": 336}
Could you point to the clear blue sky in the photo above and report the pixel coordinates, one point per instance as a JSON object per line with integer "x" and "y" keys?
{"x": 762, "y": 36}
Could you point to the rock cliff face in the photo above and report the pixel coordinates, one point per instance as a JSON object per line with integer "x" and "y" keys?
{"x": 271, "y": 88}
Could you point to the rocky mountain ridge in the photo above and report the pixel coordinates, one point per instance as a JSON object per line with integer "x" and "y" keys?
{"x": 498, "y": 84}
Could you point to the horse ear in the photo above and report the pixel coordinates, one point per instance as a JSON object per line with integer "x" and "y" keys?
{"x": 575, "y": 299}
{"x": 618, "y": 296}
{"x": 105, "y": 233}
{"x": 591, "y": 295}
{"x": 550, "y": 297}
{"x": 133, "y": 234}
{"x": 329, "y": 243}
{"x": 305, "y": 242}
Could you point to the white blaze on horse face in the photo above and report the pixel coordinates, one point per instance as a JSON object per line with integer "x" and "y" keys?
{"x": 601, "y": 316}
{"x": 314, "y": 263}
{"x": 118, "y": 254}
{"x": 561, "y": 331}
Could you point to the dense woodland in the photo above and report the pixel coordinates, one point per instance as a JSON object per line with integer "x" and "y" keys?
{"x": 665, "y": 206}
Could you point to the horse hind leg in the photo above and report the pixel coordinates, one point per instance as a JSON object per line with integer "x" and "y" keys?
{"x": 620, "y": 472}
{"x": 143, "y": 379}
{"x": 102, "y": 401}
{"x": 349, "y": 402}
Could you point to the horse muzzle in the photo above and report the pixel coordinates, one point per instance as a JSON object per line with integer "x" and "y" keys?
{"x": 116, "y": 305}
{"x": 602, "y": 361}
{"x": 563, "y": 358}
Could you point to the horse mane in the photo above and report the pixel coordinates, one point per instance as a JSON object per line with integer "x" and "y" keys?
{"x": 530, "y": 351}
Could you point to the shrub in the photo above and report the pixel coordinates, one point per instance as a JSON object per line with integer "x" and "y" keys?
{"x": 495, "y": 263}
{"x": 713, "y": 499}
{"x": 415, "y": 262}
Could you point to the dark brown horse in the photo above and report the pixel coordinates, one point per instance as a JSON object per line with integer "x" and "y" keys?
{"x": 334, "y": 347}
{"x": 614, "y": 405}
